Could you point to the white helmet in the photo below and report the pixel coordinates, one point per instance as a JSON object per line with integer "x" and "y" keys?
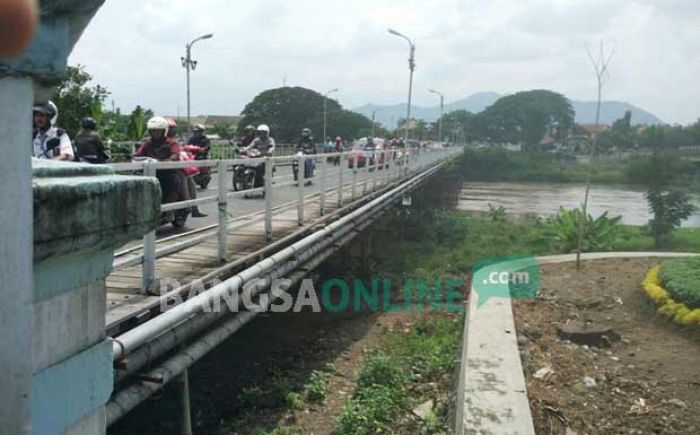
{"x": 158, "y": 123}
{"x": 264, "y": 127}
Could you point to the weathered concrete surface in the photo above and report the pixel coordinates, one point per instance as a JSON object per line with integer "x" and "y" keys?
{"x": 107, "y": 210}
{"x": 81, "y": 214}
{"x": 15, "y": 255}
{"x": 492, "y": 396}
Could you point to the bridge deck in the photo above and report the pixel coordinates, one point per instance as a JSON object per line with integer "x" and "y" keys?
{"x": 125, "y": 299}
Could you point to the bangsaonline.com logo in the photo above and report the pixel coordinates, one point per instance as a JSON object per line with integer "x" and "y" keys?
{"x": 332, "y": 295}
{"x": 515, "y": 277}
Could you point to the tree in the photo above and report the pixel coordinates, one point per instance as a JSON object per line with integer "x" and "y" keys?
{"x": 525, "y": 117}
{"x": 458, "y": 126}
{"x": 76, "y": 99}
{"x": 600, "y": 65}
{"x": 289, "y": 109}
{"x": 669, "y": 207}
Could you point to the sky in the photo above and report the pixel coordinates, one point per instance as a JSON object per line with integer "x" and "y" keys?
{"x": 133, "y": 47}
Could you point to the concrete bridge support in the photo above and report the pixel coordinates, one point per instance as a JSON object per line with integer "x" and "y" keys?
{"x": 55, "y": 363}
{"x": 81, "y": 214}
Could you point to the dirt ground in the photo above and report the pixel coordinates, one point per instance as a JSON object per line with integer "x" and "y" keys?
{"x": 646, "y": 383}
{"x": 277, "y": 353}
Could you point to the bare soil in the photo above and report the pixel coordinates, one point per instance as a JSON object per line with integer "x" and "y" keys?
{"x": 646, "y": 383}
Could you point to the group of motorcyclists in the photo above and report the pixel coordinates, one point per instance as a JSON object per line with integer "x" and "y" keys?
{"x": 161, "y": 144}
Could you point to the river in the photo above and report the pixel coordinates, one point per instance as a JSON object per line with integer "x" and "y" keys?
{"x": 544, "y": 199}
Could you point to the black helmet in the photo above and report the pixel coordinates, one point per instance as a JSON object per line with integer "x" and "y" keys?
{"x": 198, "y": 127}
{"x": 88, "y": 123}
{"x": 250, "y": 128}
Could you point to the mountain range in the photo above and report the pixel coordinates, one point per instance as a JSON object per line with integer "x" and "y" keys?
{"x": 389, "y": 114}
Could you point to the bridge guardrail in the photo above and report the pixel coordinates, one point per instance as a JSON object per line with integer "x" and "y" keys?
{"x": 395, "y": 162}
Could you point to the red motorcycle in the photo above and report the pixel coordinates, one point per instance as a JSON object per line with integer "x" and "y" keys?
{"x": 203, "y": 176}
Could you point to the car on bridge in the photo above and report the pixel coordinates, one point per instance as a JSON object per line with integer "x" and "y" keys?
{"x": 365, "y": 153}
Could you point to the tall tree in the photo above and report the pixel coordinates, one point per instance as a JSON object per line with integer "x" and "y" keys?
{"x": 76, "y": 98}
{"x": 525, "y": 117}
{"x": 289, "y": 109}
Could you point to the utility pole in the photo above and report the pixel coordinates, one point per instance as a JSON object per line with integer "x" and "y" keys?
{"x": 190, "y": 65}
{"x": 411, "y": 67}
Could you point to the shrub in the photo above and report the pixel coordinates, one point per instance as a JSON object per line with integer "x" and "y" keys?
{"x": 380, "y": 369}
{"x": 599, "y": 234}
{"x": 681, "y": 278}
{"x": 316, "y": 387}
{"x": 677, "y": 311}
{"x": 669, "y": 209}
{"x": 370, "y": 411}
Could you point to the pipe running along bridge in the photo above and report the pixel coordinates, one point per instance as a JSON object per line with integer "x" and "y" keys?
{"x": 158, "y": 291}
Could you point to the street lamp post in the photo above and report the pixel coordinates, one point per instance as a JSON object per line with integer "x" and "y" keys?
{"x": 325, "y": 100}
{"x": 411, "y": 66}
{"x": 374, "y": 112}
{"x": 189, "y": 65}
{"x": 442, "y": 102}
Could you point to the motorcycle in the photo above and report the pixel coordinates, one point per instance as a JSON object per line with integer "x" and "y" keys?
{"x": 248, "y": 176}
{"x": 203, "y": 176}
{"x": 175, "y": 217}
{"x": 309, "y": 166}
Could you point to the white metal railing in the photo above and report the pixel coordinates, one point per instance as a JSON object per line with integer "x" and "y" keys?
{"x": 395, "y": 164}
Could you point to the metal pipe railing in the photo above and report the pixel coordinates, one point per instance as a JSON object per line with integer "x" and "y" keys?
{"x": 150, "y": 254}
{"x": 137, "y": 336}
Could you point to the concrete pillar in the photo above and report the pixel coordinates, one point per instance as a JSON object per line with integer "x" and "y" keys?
{"x": 15, "y": 255}
{"x": 81, "y": 214}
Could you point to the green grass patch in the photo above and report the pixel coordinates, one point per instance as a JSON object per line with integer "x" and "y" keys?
{"x": 424, "y": 354}
{"x": 448, "y": 242}
{"x": 316, "y": 387}
{"x": 681, "y": 278}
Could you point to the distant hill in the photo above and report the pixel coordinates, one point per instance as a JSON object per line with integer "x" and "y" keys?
{"x": 388, "y": 115}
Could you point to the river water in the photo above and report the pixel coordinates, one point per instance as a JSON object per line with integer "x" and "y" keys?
{"x": 544, "y": 199}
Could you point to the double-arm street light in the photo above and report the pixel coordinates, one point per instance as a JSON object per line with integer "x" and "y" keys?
{"x": 411, "y": 66}
{"x": 325, "y": 100}
{"x": 442, "y": 102}
{"x": 189, "y": 65}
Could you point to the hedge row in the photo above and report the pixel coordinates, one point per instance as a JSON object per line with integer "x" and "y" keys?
{"x": 678, "y": 311}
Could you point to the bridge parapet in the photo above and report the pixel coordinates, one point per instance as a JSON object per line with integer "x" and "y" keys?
{"x": 81, "y": 214}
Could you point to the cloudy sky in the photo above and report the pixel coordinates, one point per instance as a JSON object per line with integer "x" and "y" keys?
{"x": 133, "y": 47}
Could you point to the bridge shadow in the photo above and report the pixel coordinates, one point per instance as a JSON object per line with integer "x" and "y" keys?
{"x": 243, "y": 385}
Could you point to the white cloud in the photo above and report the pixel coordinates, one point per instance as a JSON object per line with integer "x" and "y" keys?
{"x": 463, "y": 46}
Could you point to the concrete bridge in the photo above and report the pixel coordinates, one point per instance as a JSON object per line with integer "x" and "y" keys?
{"x": 150, "y": 308}
{"x": 81, "y": 322}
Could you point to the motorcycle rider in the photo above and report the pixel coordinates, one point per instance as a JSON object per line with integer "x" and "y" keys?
{"x": 264, "y": 143}
{"x": 307, "y": 146}
{"x": 45, "y": 116}
{"x": 164, "y": 148}
{"x": 199, "y": 139}
{"x": 89, "y": 142}
{"x": 248, "y": 137}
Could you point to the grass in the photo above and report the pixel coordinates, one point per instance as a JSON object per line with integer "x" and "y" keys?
{"x": 448, "y": 243}
{"x": 681, "y": 278}
{"x": 316, "y": 387}
{"x": 387, "y": 378}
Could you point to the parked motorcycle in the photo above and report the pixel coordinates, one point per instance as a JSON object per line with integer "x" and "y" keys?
{"x": 177, "y": 218}
{"x": 309, "y": 166}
